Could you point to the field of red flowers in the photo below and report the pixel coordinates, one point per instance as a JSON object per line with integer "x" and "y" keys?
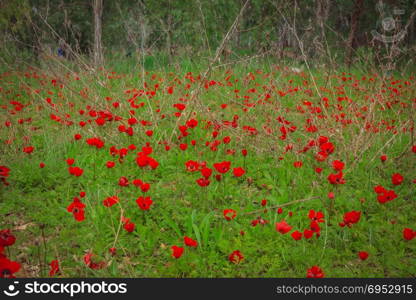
{"x": 241, "y": 173}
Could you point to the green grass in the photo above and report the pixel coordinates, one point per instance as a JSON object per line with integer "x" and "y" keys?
{"x": 39, "y": 197}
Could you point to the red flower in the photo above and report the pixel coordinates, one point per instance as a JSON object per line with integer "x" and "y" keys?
{"x": 206, "y": 172}
{"x": 316, "y": 216}
{"x": 6, "y": 238}
{"x": 229, "y": 214}
{"x": 328, "y": 148}
{"x": 379, "y": 189}
{"x": 297, "y": 164}
{"x": 113, "y": 251}
{"x": 226, "y": 140}
{"x": 236, "y": 257}
{"x": 192, "y": 166}
{"x": 93, "y": 265}
{"x": 264, "y": 202}
{"x": 143, "y": 160}
{"x": 222, "y": 167}
{"x": 338, "y": 165}
{"x": 144, "y": 203}
{"x": 77, "y": 136}
{"x": 350, "y": 218}
{"x": 4, "y": 171}
{"x": 110, "y": 164}
{"x": 363, "y": 255}
{"x": 315, "y": 228}
{"x": 54, "y": 268}
{"x": 280, "y": 210}
{"x": 123, "y": 181}
{"x": 28, "y": 149}
{"x": 110, "y": 201}
{"x": 177, "y": 251}
{"x": 244, "y": 152}
{"x": 145, "y": 187}
{"x": 260, "y": 221}
{"x": 321, "y": 156}
{"x": 397, "y": 179}
{"x": 383, "y": 158}
{"x": 75, "y": 171}
{"x": 307, "y": 233}
{"x": 128, "y": 226}
{"x": 386, "y": 196}
{"x": 149, "y": 133}
{"x": 96, "y": 142}
{"x": 283, "y": 227}
{"x": 202, "y": 182}
{"x": 8, "y": 268}
{"x": 153, "y": 163}
{"x": 70, "y": 161}
{"x": 192, "y": 123}
{"x": 238, "y": 172}
{"x": 409, "y": 234}
{"x": 77, "y": 209}
{"x": 137, "y": 182}
{"x": 296, "y": 235}
{"x": 190, "y": 242}
{"x": 323, "y": 140}
{"x": 315, "y": 272}
{"x": 336, "y": 178}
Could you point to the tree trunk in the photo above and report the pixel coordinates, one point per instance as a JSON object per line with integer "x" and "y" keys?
{"x": 358, "y": 5}
{"x": 98, "y": 48}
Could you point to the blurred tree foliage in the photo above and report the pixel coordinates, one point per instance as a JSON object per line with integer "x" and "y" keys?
{"x": 317, "y": 30}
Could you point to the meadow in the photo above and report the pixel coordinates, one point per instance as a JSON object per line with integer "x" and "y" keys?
{"x": 248, "y": 170}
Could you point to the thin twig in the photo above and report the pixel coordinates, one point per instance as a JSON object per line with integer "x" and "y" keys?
{"x": 282, "y": 205}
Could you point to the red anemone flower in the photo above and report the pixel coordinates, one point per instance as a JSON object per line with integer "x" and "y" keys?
{"x": 350, "y": 218}
{"x": 54, "y": 268}
{"x": 110, "y": 201}
{"x": 236, "y": 257}
{"x": 8, "y": 268}
{"x": 6, "y": 238}
{"x": 190, "y": 242}
{"x": 128, "y": 226}
{"x": 363, "y": 255}
{"x": 202, "y": 182}
{"x": 315, "y": 272}
{"x": 397, "y": 179}
{"x": 283, "y": 227}
{"x": 177, "y": 251}
{"x": 222, "y": 167}
{"x": 316, "y": 216}
{"x": 192, "y": 166}
{"x": 75, "y": 171}
{"x": 77, "y": 209}
{"x": 144, "y": 203}
{"x": 336, "y": 178}
{"x": 229, "y": 214}
{"x": 238, "y": 172}
{"x": 296, "y": 235}
{"x": 409, "y": 234}
{"x": 93, "y": 265}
